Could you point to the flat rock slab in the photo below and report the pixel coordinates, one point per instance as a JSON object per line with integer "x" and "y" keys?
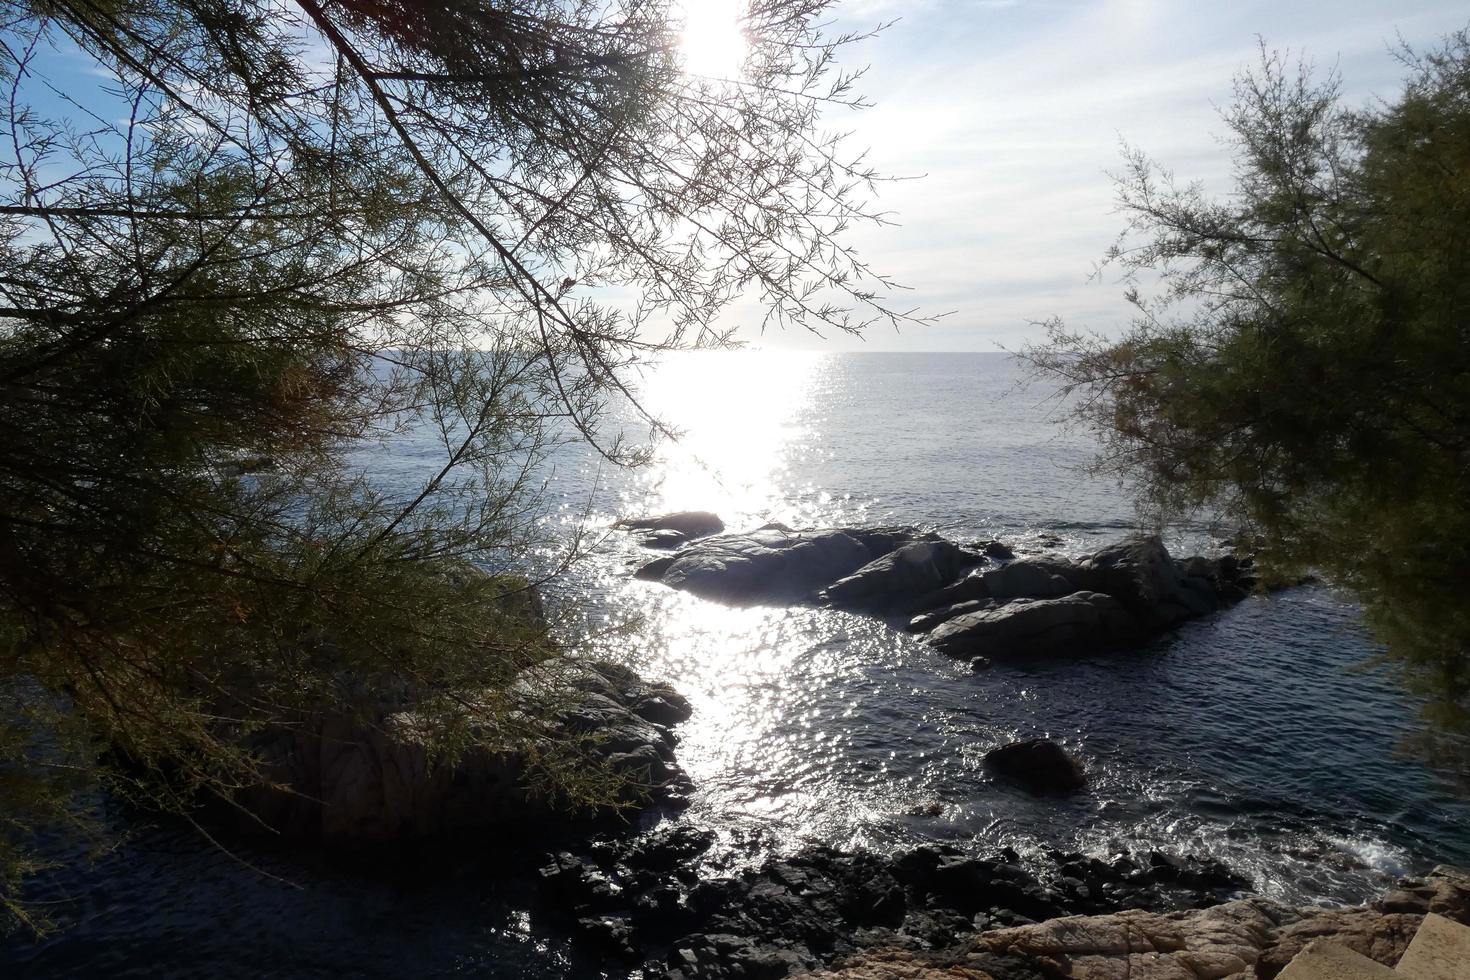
{"x": 1440, "y": 950}
{"x": 773, "y": 565}
{"x": 1037, "y": 627}
{"x": 1324, "y": 960}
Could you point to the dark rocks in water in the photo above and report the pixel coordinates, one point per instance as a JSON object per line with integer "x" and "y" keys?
{"x": 925, "y": 622}
{"x": 1039, "y": 764}
{"x": 637, "y": 899}
{"x": 1029, "y": 578}
{"x": 970, "y": 588}
{"x": 773, "y": 565}
{"x": 897, "y": 578}
{"x": 654, "y": 570}
{"x": 1158, "y": 590}
{"x": 998, "y": 550}
{"x": 1037, "y": 627}
{"x": 690, "y": 523}
{"x": 1026, "y": 607}
{"x": 666, "y": 538}
{"x": 372, "y": 779}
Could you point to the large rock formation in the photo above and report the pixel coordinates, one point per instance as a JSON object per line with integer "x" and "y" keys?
{"x": 1030, "y": 606}
{"x": 1118, "y": 596}
{"x": 370, "y": 778}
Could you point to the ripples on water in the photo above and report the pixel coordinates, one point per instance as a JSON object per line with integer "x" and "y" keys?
{"x": 1248, "y": 736}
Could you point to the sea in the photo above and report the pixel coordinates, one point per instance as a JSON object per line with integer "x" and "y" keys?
{"x": 1270, "y": 736}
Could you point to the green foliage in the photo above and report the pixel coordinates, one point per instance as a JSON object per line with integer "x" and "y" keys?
{"x": 1305, "y": 365}
{"x": 278, "y": 231}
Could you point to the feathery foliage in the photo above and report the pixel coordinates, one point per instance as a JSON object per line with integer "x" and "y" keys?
{"x": 237, "y": 230}
{"x": 1305, "y": 365}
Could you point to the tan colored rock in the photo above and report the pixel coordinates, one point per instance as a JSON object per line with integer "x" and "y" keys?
{"x": 1250, "y": 939}
{"x": 898, "y": 964}
{"x": 1376, "y": 935}
{"x": 1224, "y": 941}
{"x": 1440, "y": 950}
{"x": 1324, "y": 960}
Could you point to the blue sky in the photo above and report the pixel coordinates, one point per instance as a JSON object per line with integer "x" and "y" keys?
{"x": 1014, "y": 109}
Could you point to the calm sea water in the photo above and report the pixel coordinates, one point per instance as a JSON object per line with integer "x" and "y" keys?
{"x": 1254, "y": 736}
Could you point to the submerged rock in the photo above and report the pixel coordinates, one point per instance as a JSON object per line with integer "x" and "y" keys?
{"x": 1039, "y": 764}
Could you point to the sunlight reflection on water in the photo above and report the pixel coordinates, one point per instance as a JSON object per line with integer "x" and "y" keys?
{"x": 743, "y": 416}
{"x": 817, "y": 726}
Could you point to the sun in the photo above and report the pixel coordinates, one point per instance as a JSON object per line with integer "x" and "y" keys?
{"x": 712, "y": 44}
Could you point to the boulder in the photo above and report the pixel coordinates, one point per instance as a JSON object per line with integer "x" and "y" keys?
{"x": 371, "y": 778}
{"x": 1039, "y": 764}
{"x": 773, "y": 565}
{"x": 1038, "y": 627}
{"x": 1030, "y": 578}
{"x": 898, "y": 577}
{"x": 690, "y": 523}
{"x": 1140, "y": 574}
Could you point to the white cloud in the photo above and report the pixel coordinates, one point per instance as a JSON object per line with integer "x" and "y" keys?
{"x": 1015, "y": 111}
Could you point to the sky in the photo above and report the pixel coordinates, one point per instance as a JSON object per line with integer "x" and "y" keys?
{"x": 1015, "y": 110}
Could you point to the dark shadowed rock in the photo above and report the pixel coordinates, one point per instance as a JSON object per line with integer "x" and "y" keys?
{"x": 1030, "y": 578}
{"x": 1140, "y": 574}
{"x": 667, "y": 538}
{"x": 773, "y": 565}
{"x": 925, "y": 622}
{"x": 967, "y": 589}
{"x": 690, "y": 523}
{"x": 1038, "y": 627}
{"x": 654, "y": 570}
{"x": 373, "y": 779}
{"x": 1039, "y": 764}
{"x": 897, "y": 578}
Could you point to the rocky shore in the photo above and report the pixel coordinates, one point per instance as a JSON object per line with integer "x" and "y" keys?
{"x": 1247, "y": 939}
{"x": 656, "y": 905}
{"x": 670, "y": 904}
{"x": 934, "y": 913}
{"x": 368, "y": 779}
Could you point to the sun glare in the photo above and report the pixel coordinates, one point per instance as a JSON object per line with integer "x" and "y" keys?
{"x": 712, "y": 44}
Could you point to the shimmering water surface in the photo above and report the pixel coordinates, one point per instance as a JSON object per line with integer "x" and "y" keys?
{"x": 1251, "y": 736}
